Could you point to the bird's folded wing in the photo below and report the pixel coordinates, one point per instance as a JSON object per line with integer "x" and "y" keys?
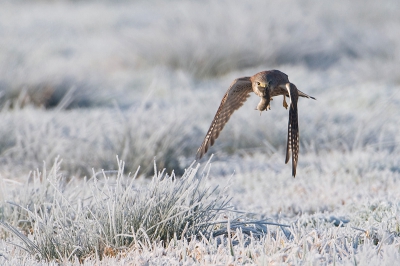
{"x": 293, "y": 130}
{"x": 233, "y": 99}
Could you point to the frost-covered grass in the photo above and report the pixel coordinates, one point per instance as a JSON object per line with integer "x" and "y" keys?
{"x": 110, "y": 49}
{"x": 103, "y": 216}
{"x": 166, "y": 220}
{"x": 88, "y": 80}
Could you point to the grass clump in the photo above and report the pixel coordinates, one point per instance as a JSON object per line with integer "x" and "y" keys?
{"x": 106, "y": 214}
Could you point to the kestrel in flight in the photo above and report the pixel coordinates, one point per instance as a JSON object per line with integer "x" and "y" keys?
{"x": 265, "y": 84}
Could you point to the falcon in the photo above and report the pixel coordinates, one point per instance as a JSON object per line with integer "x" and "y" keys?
{"x": 265, "y": 84}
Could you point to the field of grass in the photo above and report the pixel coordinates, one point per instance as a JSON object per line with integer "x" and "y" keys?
{"x": 103, "y": 105}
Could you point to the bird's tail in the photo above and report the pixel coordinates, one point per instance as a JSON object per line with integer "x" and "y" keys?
{"x": 302, "y": 94}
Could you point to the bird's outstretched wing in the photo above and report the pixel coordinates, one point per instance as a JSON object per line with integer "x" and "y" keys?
{"x": 233, "y": 99}
{"x": 293, "y": 130}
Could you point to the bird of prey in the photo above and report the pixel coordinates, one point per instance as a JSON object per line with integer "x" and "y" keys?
{"x": 265, "y": 84}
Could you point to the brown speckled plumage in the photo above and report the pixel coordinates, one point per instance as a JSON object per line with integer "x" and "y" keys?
{"x": 265, "y": 84}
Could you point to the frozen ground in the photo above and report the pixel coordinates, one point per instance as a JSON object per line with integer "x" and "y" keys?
{"x": 87, "y": 81}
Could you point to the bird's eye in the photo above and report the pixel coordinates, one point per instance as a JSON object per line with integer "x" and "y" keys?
{"x": 258, "y": 83}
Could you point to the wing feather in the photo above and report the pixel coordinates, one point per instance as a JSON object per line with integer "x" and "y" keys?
{"x": 293, "y": 130}
{"x": 233, "y": 99}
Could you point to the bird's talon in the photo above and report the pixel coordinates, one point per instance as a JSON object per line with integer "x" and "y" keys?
{"x": 284, "y": 102}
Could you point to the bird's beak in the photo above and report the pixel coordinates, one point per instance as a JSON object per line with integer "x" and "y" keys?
{"x": 263, "y": 85}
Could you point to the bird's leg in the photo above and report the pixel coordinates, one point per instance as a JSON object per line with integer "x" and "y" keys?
{"x": 284, "y": 102}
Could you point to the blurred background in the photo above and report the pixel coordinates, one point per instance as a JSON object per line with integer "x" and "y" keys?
{"x": 89, "y": 80}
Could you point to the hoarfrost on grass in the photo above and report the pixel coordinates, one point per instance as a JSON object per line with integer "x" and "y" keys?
{"x": 144, "y": 79}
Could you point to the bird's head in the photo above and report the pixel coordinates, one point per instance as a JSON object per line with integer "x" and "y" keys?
{"x": 262, "y": 85}
{"x": 269, "y": 80}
